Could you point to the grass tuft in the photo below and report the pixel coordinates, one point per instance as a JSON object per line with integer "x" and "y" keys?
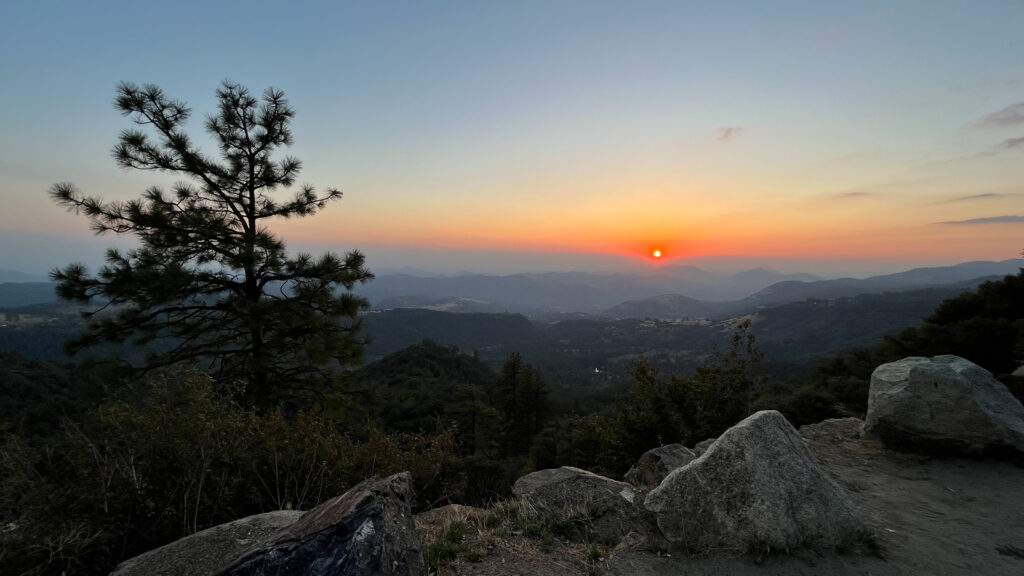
{"x": 448, "y": 545}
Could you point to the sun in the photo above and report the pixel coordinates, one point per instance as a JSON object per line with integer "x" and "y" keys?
{"x": 656, "y": 253}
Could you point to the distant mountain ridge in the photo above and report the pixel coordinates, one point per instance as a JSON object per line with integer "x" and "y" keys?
{"x": 663, "y": 306}
{"x": 793, "y": 291}
{"x": 579, "y": 349}
{"x": 14, "y": 294}
{"x": 567, "y": 291}
{"x": 668, "y": 292}
{"x": 671, "y": 292}
{"x": 958, "y": 278}
{"x": 454, "y": 304}
{"x": 16, "y": 276}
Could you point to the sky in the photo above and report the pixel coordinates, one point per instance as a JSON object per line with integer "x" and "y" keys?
{"x": 820, "y": 136}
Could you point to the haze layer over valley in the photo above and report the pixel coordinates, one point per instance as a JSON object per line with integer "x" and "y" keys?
{"x": 667, "y": 292}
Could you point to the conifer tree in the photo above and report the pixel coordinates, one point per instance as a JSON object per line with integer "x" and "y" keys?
{"x": 521, "y": 397}
{"x": 207, "y": 274}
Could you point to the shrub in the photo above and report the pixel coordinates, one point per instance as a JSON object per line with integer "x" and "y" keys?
{"x": 179, "y": 458}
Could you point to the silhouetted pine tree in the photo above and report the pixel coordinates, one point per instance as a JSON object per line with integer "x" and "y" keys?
{"x": 208, "y": 273}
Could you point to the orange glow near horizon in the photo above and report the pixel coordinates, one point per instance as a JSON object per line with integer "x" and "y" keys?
{"x": 672, "y": 236}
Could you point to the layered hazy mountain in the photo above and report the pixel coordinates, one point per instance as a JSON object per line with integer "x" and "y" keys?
{"x": 587, "y": 329}
{"x": 671, "y": 292}
{"x": 564, "y": 291}
{"x": 13, "y": 294}
{"x": 958, "y": 278}
{"x": 16, "y": 276}
{"x": 789, "y": 291}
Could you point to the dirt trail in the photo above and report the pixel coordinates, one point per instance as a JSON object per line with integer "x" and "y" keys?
{"x": 929, "y": 516}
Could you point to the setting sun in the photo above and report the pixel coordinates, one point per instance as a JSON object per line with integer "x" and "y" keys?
{"x": 656, "y": 253}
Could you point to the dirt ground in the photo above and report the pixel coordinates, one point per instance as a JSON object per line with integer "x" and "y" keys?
{"x": 929, "y": 516}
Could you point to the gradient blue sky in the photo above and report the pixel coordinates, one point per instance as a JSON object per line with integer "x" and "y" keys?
{"x": 509, "y": 136}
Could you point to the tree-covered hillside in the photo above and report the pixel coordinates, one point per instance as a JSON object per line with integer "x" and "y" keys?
{"x": 985, "y": 326}
{"x": 100, "y": 464}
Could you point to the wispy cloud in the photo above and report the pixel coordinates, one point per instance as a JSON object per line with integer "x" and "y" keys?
{"x": 1011, "y": 144}
{"x": 989, "y": 220}
{"x": 984, "y": 196}
{"x": 1009, "y": 116}
{"x": 727, "y": 133}
{"x": 1013, "y": 192}
{"x": 855, "y": 194}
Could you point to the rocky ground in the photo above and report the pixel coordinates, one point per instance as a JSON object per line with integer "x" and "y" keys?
{"x": 928, "y": 515}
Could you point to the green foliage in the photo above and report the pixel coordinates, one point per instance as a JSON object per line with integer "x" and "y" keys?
{"x": 208, "y": 273}
{"x": 806, "y": 330}
{"x": 36, "y": 395}
{"x": 658, "y": 411}
{"x": 398, "y": 328}
{"x": 520, "y": 396}
{"x": 837, "y": 386}
{"x": 687, "y": 410}
{"x": 423, "y": 387}
{"x": 435, "y": 390}
{"x": 179, "y": 457}
{"x": 427, "y": 457}
{"x": 663, "y": 410}
{"x": 724, "y": 389}
{"x": 985, "y": 326}
{"x": 596, "y": 442}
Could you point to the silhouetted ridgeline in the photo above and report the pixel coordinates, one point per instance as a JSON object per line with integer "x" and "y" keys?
{"x": 709, "y": 294}
{"x": 14, "y": 294}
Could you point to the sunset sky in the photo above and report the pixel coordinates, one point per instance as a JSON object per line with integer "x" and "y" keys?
{"x": 556, "y": 135}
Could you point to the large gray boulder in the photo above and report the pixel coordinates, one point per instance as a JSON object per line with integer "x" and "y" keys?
{"x": 943, "y": 404}
{"x": 206, "y": 553}
{"x": 757, "y": 488}
{"x": 657, "y": 463}
{"x": 611, "y": 508}
{"x": 368, "y": 530}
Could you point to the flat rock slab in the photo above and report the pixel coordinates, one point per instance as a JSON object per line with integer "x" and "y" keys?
{"x": 757, "y": 488}
{"x": 368, "y": 530}
{"x": 206, "y": 553}
{"x": 612, "y": 507}
{"x": 945, "y": 405}
{"x": 837, "y": 428}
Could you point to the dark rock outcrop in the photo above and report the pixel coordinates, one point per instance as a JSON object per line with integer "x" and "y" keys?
{"x": 657, "y": 463}
{"x": 367, "y": 530}
{"x": 757, "y": 488}
{"x": 944, "y": 404}
{"x": 207, "y": 552}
